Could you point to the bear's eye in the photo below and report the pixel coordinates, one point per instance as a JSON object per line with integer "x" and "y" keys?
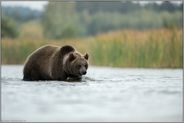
{"x": 86, "y": 66}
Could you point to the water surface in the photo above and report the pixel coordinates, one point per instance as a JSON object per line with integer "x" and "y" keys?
{"x": 104, "y": 94}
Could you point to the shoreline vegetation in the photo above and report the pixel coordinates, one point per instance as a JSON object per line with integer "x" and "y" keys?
{"x": 153, "y": 48}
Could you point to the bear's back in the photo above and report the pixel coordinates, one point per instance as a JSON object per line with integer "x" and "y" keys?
{"x": 38, "y": 61}
{"x": 42, "y": 54}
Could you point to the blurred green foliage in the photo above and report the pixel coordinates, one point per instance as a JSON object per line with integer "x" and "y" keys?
{"x": 121, "y": 34}
{"x": 13, "y": 18}
{"x": 156, "y": 49}
{"x": 75, "y": 19}
{"x": 61, "y": 21}
{"x": 8, "y": 27}
{"x": 161, "y": 48}
{"x": 84, "y": 18}
{"x": 21, "y": 14}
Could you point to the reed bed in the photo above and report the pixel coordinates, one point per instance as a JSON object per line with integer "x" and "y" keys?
{"x": 156, "y": 48}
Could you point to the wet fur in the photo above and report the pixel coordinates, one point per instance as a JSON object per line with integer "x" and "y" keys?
{"x": 51, "y": 63}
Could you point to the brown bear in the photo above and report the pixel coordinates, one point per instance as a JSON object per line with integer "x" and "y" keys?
{"x": 55, "y": 63}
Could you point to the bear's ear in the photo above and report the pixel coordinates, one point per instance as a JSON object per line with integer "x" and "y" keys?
{"x": 72, "y": 57}
{"x": 86, "y": 56}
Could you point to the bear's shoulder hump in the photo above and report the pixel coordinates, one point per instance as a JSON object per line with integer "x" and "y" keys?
{"x": 66, "y": 49}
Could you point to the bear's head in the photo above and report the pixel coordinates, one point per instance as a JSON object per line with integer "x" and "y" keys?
{"x": 76, "y": 64}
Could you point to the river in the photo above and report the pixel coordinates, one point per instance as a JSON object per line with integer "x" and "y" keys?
{"x": 104, "y": 94}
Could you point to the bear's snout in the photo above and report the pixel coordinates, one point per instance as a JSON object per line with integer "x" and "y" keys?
{"x": 83, "y": 71}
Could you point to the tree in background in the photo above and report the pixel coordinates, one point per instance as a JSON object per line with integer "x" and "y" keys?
{"x": 61, "y": 21}
{"x": 8, "y": 28}
{"x": 21, "y": 14}
{"x": 75, "y": 19}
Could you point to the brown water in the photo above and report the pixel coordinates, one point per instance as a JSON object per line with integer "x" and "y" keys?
{"x": 105, "y": 94}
